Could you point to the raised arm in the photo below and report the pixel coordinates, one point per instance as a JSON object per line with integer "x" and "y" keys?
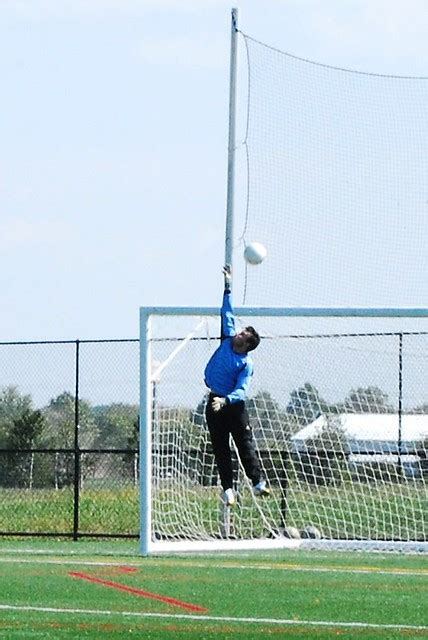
{"x": 228, "y": 329}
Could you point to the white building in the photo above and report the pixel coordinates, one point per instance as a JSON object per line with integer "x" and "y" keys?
{"x": 370, "y": 432}
{"x": 372, "y": 439}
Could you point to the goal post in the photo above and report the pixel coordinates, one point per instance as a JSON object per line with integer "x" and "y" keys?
{"x": 339, "y": 412}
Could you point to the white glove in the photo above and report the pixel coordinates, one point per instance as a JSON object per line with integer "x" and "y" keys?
{"x": 218, "y": 403}
{"x": 227, "y": 277}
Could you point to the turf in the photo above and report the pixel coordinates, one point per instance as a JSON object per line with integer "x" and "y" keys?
{"x": 63, "y": 589}
{"x": 116, "y": 511}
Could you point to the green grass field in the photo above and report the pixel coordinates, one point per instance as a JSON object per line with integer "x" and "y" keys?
{"x": 92, "y": 589}
{"x": 116, "y": 511}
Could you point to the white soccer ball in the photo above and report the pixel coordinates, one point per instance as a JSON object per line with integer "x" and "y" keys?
{"x": 311, "y": 532}
{"x": 291, "y": 532}
{"x": 255, "y": 253}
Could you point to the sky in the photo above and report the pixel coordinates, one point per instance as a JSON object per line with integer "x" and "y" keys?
{"x": 113, "y": 144}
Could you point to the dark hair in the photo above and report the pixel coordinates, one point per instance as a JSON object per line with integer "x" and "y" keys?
{"x": 253, "y": 339}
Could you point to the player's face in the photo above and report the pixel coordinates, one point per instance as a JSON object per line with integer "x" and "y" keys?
{"x": 241, "y": 341}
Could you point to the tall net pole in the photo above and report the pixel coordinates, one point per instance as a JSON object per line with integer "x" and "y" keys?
{"x": 231, "y": 143}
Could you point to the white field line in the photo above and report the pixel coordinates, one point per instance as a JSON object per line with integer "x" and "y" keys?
{"x": 200, "y": 565}
{"x": 222, "y": 619}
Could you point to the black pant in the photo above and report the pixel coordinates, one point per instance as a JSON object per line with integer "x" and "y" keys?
{"x": 232, "y": 419}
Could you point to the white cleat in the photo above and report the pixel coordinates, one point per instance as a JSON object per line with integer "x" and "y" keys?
{"x": 229, "y": 498}
{"x": 261, "y": 489}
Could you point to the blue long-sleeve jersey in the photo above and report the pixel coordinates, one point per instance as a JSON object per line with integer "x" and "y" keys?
{"x": 228, "y": 374}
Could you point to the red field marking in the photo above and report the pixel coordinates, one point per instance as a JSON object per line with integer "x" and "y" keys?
{"x": 138, "y": 592}
{"x": 123, "y": 569}
{"x": 113, "y": 570}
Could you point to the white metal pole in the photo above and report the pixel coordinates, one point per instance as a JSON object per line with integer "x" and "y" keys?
{"x": 145, "y": 435}
{"x": 232, "y": 143}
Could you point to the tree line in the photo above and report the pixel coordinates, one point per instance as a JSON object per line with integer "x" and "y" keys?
{"x": 115, "y": 427}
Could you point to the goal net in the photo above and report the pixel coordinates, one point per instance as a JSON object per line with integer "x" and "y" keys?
{"x": 331, "y": 178}
{"x": 339, "y": 412}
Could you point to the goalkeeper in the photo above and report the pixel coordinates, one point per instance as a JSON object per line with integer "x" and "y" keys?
{"x": 228, "y": 376}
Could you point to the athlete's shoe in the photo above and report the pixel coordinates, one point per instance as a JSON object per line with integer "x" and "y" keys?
{"x": 261, "y": 489}
{"x": 229, "y": 498}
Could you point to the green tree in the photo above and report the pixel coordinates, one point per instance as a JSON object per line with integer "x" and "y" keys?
{"x": 369, "y": 399}
{"x": 18, "y": 467}
{"x": 20, "y": 428}
{"x": 306, "y": 404}
{"x": 59, "y": 433}
{"x": 26, "y": 430}
{"x": 269, "y": 421}
{"x": 13, "y": 406}
{"x": 130, "y": 460}
{"x": 60, "y": 416}
{"x": 421, "y": 409}
{"x": 115, "y": 425}
{"x": 117, "y": 429}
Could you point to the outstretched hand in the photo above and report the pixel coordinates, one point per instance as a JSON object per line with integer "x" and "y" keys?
{"x": 218, "y": 403}
{"x": 227, "y": 272}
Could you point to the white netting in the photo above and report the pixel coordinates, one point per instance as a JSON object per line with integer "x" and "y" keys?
{"x": 336, "y": 179}
{"x": 339, "y": 411}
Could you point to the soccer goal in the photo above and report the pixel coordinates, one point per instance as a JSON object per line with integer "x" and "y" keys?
{"x": 338, "y": 412}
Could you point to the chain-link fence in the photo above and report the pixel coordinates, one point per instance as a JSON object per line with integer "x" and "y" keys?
{"x": 69, "y": 424}
{"x": 69, "y": 438}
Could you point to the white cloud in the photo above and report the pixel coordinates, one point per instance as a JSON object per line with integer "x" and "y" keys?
{"x": 384, "y": 36}
{"x": 23, "y": 233}
{"x": 365, "y": 23}
{"x": 198, "y": 51}
{"x": 68, "y": 8}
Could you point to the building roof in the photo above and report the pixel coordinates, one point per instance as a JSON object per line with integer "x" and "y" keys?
{"x": 369, "y": 430}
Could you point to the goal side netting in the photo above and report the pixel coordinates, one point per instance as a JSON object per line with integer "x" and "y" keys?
{"x": 331, "y": 170}
{"x": 339, "y": 413}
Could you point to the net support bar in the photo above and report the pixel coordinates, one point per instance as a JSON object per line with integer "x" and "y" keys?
{"x": 308, "y": 312}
